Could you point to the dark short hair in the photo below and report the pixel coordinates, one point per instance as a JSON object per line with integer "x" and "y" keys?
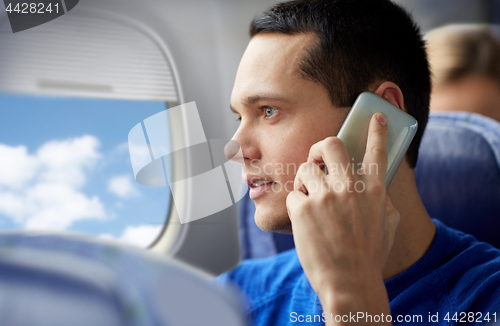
{"x": 359, "y": 42}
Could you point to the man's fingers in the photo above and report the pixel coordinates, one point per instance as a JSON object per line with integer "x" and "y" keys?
{"x": 330, "y": 151}
{"x": 392, "y": 221}
{"x": 392, "y": 213}
{"x": 309, "y": 178}
{"x": 376, "y": 146}
{"x": 294, "y": 200}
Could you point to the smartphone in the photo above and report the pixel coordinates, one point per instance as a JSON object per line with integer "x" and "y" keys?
{"x": 354, "y": 132}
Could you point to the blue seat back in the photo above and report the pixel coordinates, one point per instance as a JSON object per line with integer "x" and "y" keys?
{"x": 458, "y": 173}
{"x": 256, "y": 243}
{"x": 62, "y": 279}
{"x": 458, "y": 177}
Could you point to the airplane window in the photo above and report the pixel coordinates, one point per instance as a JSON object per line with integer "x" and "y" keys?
{"x": 65, "y": 165}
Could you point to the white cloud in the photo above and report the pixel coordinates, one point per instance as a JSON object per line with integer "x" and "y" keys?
{"x": 66, "y": 161}
{"x": 106, "y": 236}
{"x": 122, "y": 186}
{"x": 140, "y": 235}
{"x": 43, "y": 191}
{"x": 12, "y": 205}
{"x": 123, "y": 147}
{"x": 58, "y": 206}
{"x": 17, "y": 167}
{"x": 117, "y": 155}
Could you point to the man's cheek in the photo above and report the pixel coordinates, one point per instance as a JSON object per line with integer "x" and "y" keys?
{"x": 254, "y": 167}
{"x": 268, "y": 169}
{"x": 289, "y": 186}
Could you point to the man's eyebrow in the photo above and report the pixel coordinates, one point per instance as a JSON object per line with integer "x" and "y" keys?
{"x": 250, "y": 100}
{"x": 256, "y": 98}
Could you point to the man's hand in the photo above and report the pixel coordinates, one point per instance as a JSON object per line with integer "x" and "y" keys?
{"x": 344, "y": 224}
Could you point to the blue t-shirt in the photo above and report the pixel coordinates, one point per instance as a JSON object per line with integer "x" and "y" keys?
{"x": 458, "y": 279}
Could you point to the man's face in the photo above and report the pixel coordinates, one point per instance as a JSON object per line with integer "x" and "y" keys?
{"x": 282, "y": 115}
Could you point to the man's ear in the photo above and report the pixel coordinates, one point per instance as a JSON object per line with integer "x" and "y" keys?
{"x": 391, "y": 93}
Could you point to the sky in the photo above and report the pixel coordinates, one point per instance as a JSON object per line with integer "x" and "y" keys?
{"x": 65, "y": 165}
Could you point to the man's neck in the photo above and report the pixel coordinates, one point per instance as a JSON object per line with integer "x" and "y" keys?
{"x": 415, "y": 231}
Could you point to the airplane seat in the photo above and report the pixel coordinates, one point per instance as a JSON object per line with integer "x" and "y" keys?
{"x": 60, "y": 280}
{"x": 256, "y": 243}
{"x": 252, "y": 239}
{"x": 457, "y": 174}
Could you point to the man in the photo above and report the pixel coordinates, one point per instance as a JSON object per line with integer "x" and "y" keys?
{"x": 465, "y": 60}
{"x": 360, "y": 255}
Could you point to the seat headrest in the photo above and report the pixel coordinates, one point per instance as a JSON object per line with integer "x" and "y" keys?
{"x": 458, "y": 173}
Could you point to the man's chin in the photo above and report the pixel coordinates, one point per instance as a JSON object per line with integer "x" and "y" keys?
{"x": 273, "y": 221}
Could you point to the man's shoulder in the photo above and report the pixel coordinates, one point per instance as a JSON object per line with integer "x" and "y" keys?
{"x": 457, "y": 274}
{"x": 472, "y": 277}
{"x": 471, "y": 261}
{"x": 265, "y": 273}
{"x": 265, "y": 278}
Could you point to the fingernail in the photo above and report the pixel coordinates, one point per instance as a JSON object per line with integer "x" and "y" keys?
{"x": 381, "y": 119}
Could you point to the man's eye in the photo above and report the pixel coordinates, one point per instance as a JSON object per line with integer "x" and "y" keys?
{"x": 270, "y": 112}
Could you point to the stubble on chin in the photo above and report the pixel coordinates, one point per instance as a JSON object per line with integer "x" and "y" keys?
{"x": 273, "y": 219}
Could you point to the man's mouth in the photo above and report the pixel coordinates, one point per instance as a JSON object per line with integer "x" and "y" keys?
{"x": 258, "y": 186}
{"x": 259, "y": 183}
{"x": 255, "y": 181}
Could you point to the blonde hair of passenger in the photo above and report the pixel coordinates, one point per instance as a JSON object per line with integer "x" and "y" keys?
{"x": 462, "y": 50}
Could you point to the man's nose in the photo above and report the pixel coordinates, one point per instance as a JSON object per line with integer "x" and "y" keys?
{"x": 233, "y": 151}
{"x": 248, "y": 146}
